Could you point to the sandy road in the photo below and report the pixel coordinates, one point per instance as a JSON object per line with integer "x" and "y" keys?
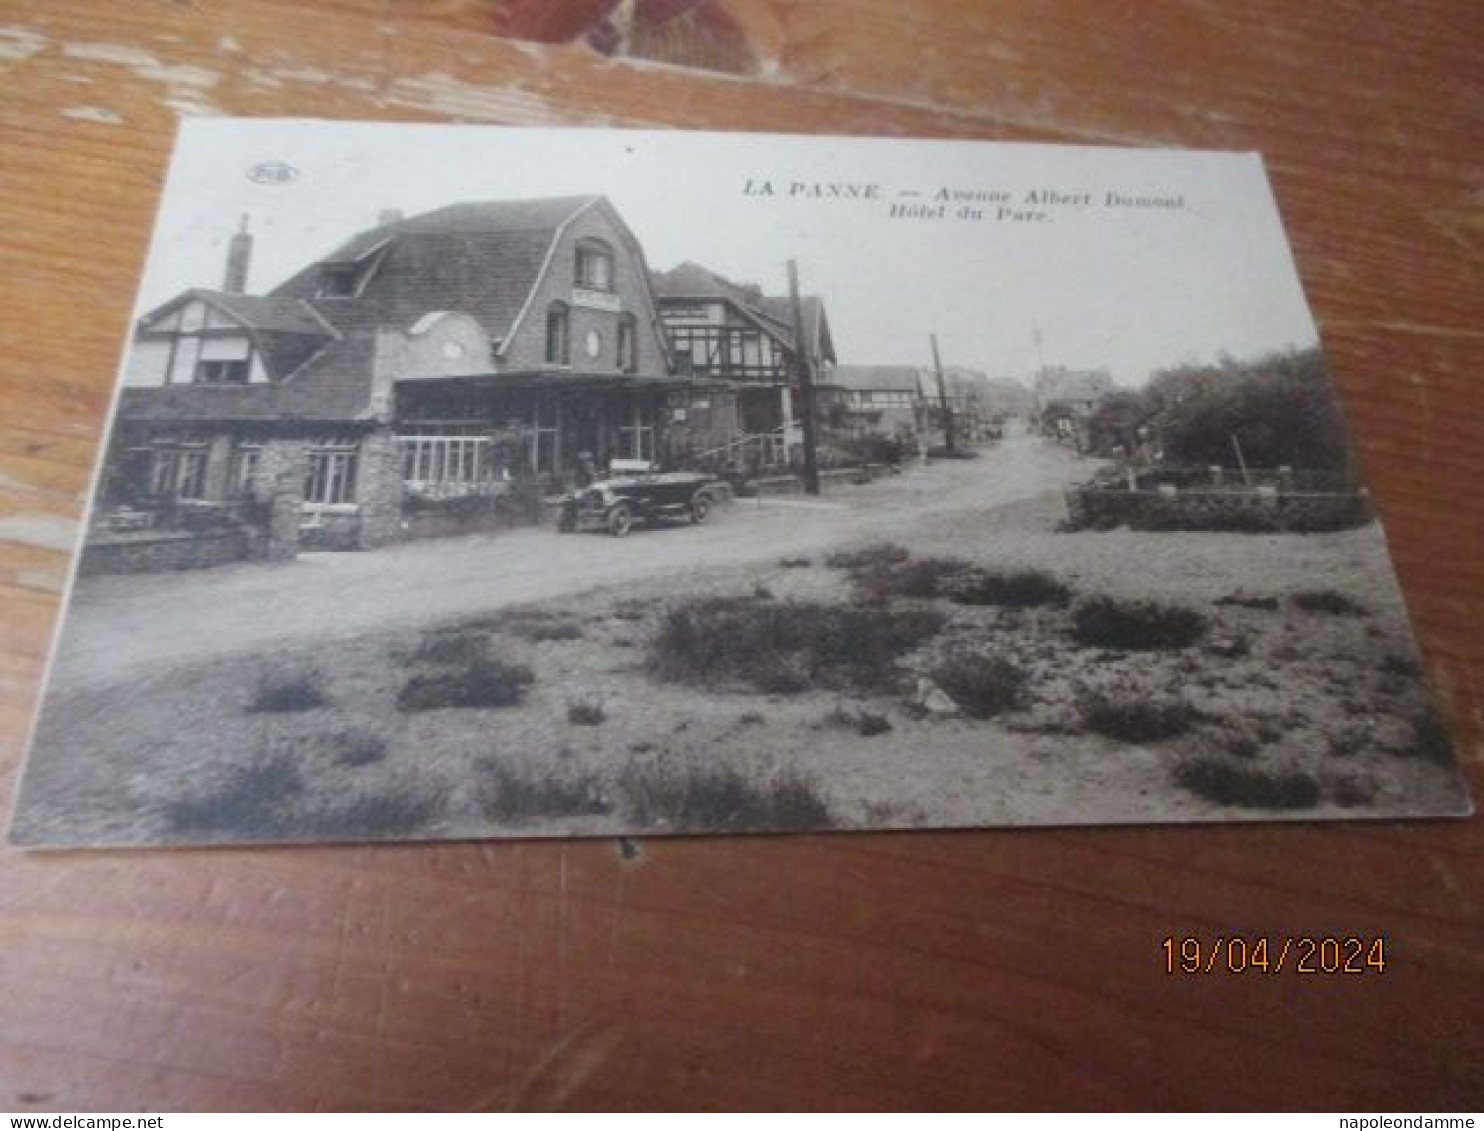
{"x": 119, "y": 626}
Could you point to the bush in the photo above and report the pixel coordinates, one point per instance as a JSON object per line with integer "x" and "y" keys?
{"x": 872, "y": 555}
{"x": 1328, "y": 601}
{"x": 294, "y": 691}
{"x": 484, "y": 684}
{"x": 721, "y": 798}
{"x": 508, "y": 794}
{"x": 1021, "y": 588}
{"x": 786, "y": 647}
{"x": 921, "y": 577}
{"x": 1245, "y": 787}
{"x": 455, "y": 506}
{"x": 1130, "y": 715}
{"x": 586, "y": 712}
{"x": 981, "y": 686}
{"x": 803, "y": 562}
{"x": 1135, "y": 626}
{"x": 253, "y": 802}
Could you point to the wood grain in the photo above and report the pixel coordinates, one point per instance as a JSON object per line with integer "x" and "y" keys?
{"x": 993, "y": 969}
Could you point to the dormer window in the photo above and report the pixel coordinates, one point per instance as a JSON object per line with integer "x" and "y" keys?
{"x": 594, "y": 266}
{"x": 337, "y": 282}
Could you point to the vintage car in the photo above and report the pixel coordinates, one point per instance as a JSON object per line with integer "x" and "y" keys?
{"x": 635, "y": 492}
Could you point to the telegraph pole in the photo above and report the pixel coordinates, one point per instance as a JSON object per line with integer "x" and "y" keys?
{"x": 804, "y": 382}
{"x": 943, "y": 399}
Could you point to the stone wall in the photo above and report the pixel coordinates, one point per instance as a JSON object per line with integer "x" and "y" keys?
{"x": 379, "y": 490}
{"x": 155, "y": 551}
{"x": 1260, "y": 510}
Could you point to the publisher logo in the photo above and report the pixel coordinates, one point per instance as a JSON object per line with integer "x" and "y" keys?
{"x": 272, "y": 173}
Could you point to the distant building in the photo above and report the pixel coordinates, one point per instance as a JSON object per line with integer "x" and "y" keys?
{"x": 884, "y": 399}
{"x": 741, "y": 340}
{"x": 1066, "y": 400}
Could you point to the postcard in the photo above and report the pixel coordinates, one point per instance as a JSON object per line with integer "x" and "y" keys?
{"x": 466, "y": 482}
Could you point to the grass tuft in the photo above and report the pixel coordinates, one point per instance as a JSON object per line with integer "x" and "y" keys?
{"x": 253, "y": 802}
{"x": 1131, "y": 715}
{"x": 867, "y": 724}
{"x": 1135, "y": 626}
{"x": 1019, "y": 588}
{"x": 1241, "y": 601}
{"x": 481, "y": 685}
{"x": 586, "y": 712}
{"x": 1246, "y": 787}
{"x": 873, "y": 555}
{"x": 452, "y": 646}
{"x": 282, "y": 692}
{"x": 356, "y": 747}
{"x": 1328, "y": 601}
{"x": 981, "y": 686}
{"x": 509, "y": 794}
{"x": 722, "y": 799}
{"x": 786, "y": 647}
{"x": 375, "y": 816}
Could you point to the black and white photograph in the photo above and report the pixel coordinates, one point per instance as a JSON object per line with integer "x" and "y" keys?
{"x": 466, "y": 482}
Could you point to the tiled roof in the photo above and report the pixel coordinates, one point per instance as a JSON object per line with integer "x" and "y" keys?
{"x": 690, "y": 280}
{"x": 481, "y": 258}
{"x": 877, "y": 378}
{"x": 269, "y": 312}
{"x": 336, "y": 392}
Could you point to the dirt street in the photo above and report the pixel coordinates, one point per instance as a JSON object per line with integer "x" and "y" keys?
{"x": 120, "y": 626}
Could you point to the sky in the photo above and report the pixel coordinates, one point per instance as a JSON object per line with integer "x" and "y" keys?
{"x": 1057, "y": 253}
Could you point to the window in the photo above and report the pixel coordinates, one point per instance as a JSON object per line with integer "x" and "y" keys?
{"x": 558, "y": 338}
{"x": 332, "y": 476}
{"x": 594, "y": 266}
{"x": 734, "y": 352}
{"x": 234, "y": 372}
{"x": 628, "y": 360}
{"x": 435, "y": 460}
{"x": 243, "y": 470}
{"x": 179, "y": 472}
{"x": 545, "y": 432}
{"x": 337, "y": 282}
{"x": 636, "y": 434}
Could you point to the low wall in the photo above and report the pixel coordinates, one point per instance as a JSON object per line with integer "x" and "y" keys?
{"x": 794, "y": 484}
{"x": 330, "y": 531}
{"x": 1232, "y": 510}
{"x": 154, "y": 551}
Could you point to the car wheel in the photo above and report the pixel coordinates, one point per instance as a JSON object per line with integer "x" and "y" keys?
{"x": 620, "y": 520}
{"x": 700, "y": 508}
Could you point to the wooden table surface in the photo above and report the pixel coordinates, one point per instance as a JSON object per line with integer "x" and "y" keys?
{"x": 996, "y": 969}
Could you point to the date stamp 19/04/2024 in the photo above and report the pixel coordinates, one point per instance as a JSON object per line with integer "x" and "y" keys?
{"x": 1260, "y": 954}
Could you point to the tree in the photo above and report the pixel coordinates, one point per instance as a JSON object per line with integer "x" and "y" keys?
{"x": 1280, "y": 407}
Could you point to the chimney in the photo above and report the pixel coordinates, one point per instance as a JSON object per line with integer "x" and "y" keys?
{"x": 239, "y": 258}
{"x": 388, "y": 216}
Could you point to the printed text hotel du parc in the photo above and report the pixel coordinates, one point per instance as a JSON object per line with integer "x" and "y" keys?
{"x": 1041, "y": 205}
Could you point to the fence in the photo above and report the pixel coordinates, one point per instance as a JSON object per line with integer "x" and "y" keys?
{"x": 1193, "y": 499}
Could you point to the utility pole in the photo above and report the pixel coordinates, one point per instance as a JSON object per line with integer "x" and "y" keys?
{"x": 943, "y": 399}
{"x": 804, "y": 382}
